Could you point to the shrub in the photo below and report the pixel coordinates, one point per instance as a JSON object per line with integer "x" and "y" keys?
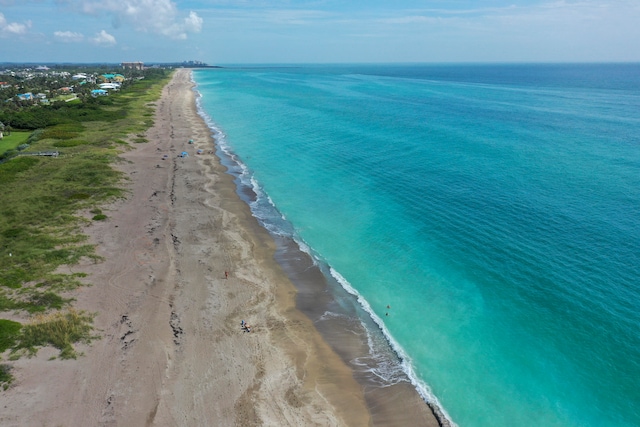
{"x": 9, "y": 332}
{"x": 39, "y": 302}
{"x": 7, "y": 154}
{"x": 35, "y": 135}
{"x": 5, "y": 376}
{"x": 61, "y": 131}
{"x": 60, "y": 330}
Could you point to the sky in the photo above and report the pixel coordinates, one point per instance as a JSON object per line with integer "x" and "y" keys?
{"x": 221, "y": 32}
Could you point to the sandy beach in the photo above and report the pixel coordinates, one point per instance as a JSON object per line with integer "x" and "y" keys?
{"x": 184, "y": 264}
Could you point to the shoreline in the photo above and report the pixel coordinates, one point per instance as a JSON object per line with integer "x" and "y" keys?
{"x": 172, "y": 351}
{"x": 390, "y": 400}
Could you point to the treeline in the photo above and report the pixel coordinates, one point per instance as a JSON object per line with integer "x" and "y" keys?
{"x": 28, "y": 115}
{"x": 60, "y": 112}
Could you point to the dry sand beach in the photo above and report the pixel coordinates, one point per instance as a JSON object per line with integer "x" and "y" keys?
{"x": 172, "y": 351}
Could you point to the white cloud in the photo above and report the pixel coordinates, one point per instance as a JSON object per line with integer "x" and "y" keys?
{"x": 13, "y": 28}
{"x": 153, "y": 16}
{"x": 68, "y": 36}
{"x": 193, "y": 23}
{"x": 103, "y": 38}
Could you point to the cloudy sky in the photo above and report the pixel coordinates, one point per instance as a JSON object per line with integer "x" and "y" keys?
{"x": 319, "y": 31}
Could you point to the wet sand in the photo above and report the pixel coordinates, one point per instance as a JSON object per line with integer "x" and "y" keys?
{"x": 172, "y": 351}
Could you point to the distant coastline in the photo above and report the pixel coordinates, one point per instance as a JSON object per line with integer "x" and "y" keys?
{"x": 185, "y": 64}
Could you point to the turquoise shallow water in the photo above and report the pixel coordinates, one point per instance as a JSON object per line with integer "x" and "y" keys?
{"x": 496, "y": 209}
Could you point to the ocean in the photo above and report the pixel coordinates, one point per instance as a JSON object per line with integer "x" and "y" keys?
{"x": 482, "y": 222}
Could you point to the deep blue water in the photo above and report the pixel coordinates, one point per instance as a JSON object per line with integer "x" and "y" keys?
{"x": 495, "y": 208}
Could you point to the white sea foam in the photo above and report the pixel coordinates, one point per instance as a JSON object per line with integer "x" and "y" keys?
{"x": 331, "y": 315}
{"x": 423, "y": 389}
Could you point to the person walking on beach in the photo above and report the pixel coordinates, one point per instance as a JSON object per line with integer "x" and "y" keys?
{"x": 226, "y": 274}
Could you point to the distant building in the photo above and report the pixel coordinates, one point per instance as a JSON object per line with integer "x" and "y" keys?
{"x": 133, "y": 65}
{"x": 110, "y": 78}
{"x": 113, "y": 86}
{"x": 25, "y": 96}
{"x": 193, "y": 64}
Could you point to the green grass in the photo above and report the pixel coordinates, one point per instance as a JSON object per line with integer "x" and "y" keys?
{"x": 59, "y": 329}
{"x": 38, "y": 226}
{"x": 13, "y": 170}
{"x": 31, "y": 301}
{"x": 70, "y": 143}
{"x": 12, "y": 141}
{"x": 9, "y": 332}
{"x": 63, "y": 131}
{"x": 5, "y": 376}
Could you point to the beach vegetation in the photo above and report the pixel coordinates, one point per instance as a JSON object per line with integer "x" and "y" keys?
{"x": 62, "y": 131}
{"x": 70, "y": 143}
{"x": 31, "y": 301}
{"x": 9, "y": 332}
{"x": 42, "y": 201}
{"x": 60, "y": 329}
{"x": 5, "y": 376}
